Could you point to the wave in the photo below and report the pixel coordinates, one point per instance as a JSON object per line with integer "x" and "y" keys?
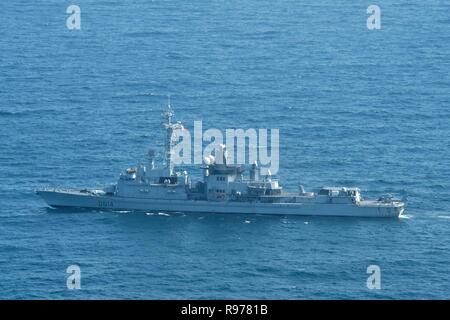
{"x": 163, "y": 214}
{"x": 145, "y": 34}
{"x": 26, "y": 112}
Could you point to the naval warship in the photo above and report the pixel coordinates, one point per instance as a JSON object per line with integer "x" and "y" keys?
{"x": 224, "y": 189}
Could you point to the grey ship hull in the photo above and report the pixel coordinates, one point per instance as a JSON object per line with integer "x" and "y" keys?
{"x": 78, "y": 199}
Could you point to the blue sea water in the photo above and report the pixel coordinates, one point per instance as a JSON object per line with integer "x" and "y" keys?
{"x": 358, "y": 107}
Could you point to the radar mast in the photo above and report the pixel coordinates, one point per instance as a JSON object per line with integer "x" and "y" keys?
{"x": 170, "y": 129}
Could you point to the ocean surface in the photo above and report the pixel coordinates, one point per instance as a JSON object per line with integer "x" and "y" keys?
{"x": 355, "y": 107}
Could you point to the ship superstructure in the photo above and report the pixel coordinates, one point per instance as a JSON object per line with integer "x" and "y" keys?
{"x": 225, "y": 188}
